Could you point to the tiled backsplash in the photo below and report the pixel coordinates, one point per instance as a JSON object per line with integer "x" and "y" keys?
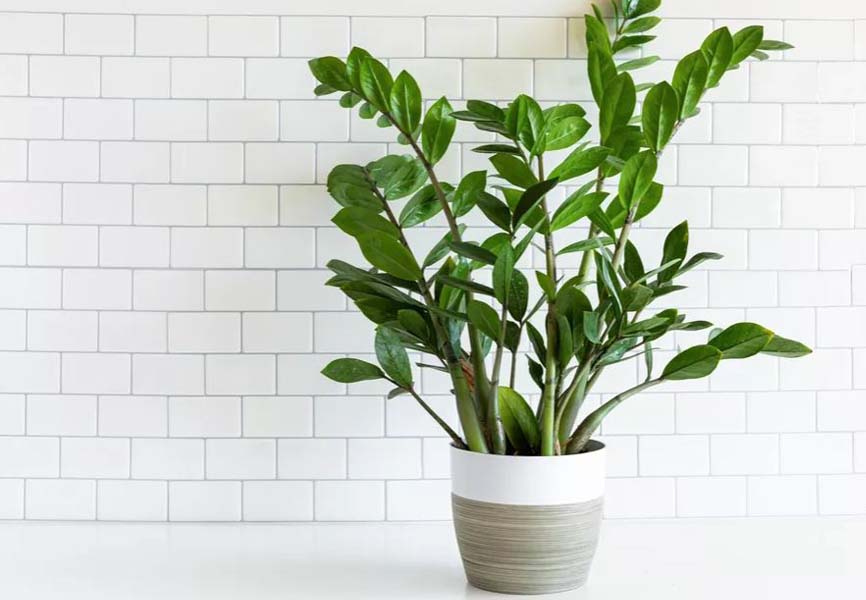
{"x": 165, "y": 230}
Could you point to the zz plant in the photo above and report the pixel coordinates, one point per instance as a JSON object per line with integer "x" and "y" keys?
{"x": 465, "y": 305}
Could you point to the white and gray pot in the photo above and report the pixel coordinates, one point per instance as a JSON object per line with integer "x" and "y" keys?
{"x": 527, "y": 524}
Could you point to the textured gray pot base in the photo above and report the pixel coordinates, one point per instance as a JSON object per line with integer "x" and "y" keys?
{"x": 523, "y": 549}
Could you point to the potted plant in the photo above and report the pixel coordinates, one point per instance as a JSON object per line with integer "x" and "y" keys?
{"x": 528, "y": 482}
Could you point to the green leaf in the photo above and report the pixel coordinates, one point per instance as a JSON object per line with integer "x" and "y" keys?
{"x": 592, "y": 327}
{"x": 588, "y": 244}
{"x": 718, "y": 48}
{"x": 690, "y": 78}
{"x": 465, "y": 284}
{"x": 351, "y": 370}
{"x": 774, "y": 45}
{"x": 630, "y": 41}
{"x": 579, "y": 162}
{"x": 423, "y": 206}
{"x": 405, "y": 102}
{"x": 563, "y": 133}
{"x": 467, "y": 191}
{"x": 323, "y": 89}
{"x": 519, "y": 421}
{"x": 633, "y": 265}
{"x": 503, "y": 270}
{"x": 358, "y": 220}
{"x": 518, "y": 296}
{"x": 497, "y": 149}
{"x": 474, "y": 252}
{"x": 636, "y": 178}
{"x": 405, "y": 180}
{"x": 741, "y": 340}
{"x": 596, "y": 33}
{"x": 437, "y": 131}
{"x": 610, "y": 281}
{"x": 331, "y": 71}
{"x": 393, "y": 357}
{"x": 414, "y": 323}
{"x": 636, "y": 297}
{"x": 659, "y": 115}
{"x": 350, "y": 186}
{"x": 616, "y": 212}
{"x": 779, "y": 346}
{"x": 530, "y": 199}
{"x": 525, "y": 121}
{"x": 440, "y": 250}
{"x": 547, "y": 284}
{"x": 641, "y": 25}
{"x": 694, "y": 363}
{"x": 675, "y": 248}
{"x": 350, "y": 99}
{"x": 600, "y": 70}
{"x": 367, "y": 111}
{"x": 494, "y": 209}
{"x": 636, "y": 8}
{"x": 386, "y": 253}
{"x": 513, "y": 170}
{"x": 746, "y": 41}
{"x": 617, "y": 105}
{"x": 353, "y": 65}
{"x": 575, "y": 208}
{"x": 484, "y": 318}
{"x": 697, "y": 259}
{"x": 637, "y": 63}
{"x": 600, "y": 220}
{"x": 376, "y": 83}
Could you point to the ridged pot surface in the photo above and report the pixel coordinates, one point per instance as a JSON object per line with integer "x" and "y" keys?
{"x": 527, "y": 524}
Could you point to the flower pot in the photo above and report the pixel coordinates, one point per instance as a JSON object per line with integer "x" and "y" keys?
{"x": 527, "y": 524}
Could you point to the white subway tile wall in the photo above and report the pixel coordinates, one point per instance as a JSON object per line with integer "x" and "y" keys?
{"x": 164, "y": 230}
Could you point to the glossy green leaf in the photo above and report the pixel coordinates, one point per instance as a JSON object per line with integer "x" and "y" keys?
{"x": 689, "y": 81}
{"x": 467, "y": 191}
{"x": 636, "y": 178}
{"x": 632, "y": 263}
{"x": 503, "y": 269}
{"x": 518, "y": 296}
{"x": 592, "y": 327}
{"x": 386, "y": 253}
{"x": 465, "y": 284}
{"x": 356, "y": 58}
{"x": 531, "y": 198}
{"x": 630, "y": 41}
{"x": 637, "y": 63}
{"x": 474, "y": 252}
{"x": 774, "y": 45}
{"x": 741, "y": 340}
{"x": 484, "y": 318}
{"x": 616, "y": 212}
{"x": 563, "y": 133}
{"x": 423, "y": 206}
{"x": 496, "y": 149}
{"x": 525, "y": 121}
{"x": 547, "y": 284}
{"x": 579, "y": 162}
{"x": 596, "y": 33}
{"x": 576, "y": 207}
{"x": 331, "y": 71}
{"x": 351, "y": 370}
{"x": 617, "y": 105}
{"x": 350, "y": 186}
{"x": 405, "y": 180}
{"x": 779, "y": 346}
{"x": 494, "y": 209}
{"x": 441, "y": 249}
{"x": 376, "y": 83}
{"x": 437, "y": 130}
{"x": 513, "y": 170}
{"x": 659, "y": 115}
{"x": 600, "y": 70}
{"x": 519, "y": 421}
{"x": 392, "y": 356}
{"x": 694, "y": 363}
{"x": 746, "y": 41}
{"x": 675, "y": 248}
{"x": 405, "y": 102}
{"x": 697, "y": 259}
{"x": 641, "y": 25}
{"x": 718, "y": 49}
{"x": 588, "y": 244}
{"x": 358, "y": 220}
{"x": 636, "y": 8}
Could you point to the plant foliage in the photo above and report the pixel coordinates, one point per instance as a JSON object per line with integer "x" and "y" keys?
{"x": 465, "y": 307}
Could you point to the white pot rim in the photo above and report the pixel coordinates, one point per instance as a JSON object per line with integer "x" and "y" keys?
{"x": 528, "y": 480}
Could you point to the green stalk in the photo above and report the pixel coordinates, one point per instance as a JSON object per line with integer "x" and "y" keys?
{"x": 465, "y": 404}
{"x": 458, "y": 441}
{"x": 590, "y": 424}
{"x": 494, "y": 419}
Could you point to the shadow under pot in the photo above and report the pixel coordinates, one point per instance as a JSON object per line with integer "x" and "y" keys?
{"x": 527, "y": 524}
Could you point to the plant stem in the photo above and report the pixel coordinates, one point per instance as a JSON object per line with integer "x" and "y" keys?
{"x": 458, "y": 441}
{"x": 465, "y": 405}
{"x": 494, "y": 419}
{"x": 586, "y": 259}
{"x": 590, "y": 424}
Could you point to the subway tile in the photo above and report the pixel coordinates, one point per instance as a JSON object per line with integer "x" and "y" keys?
{"x": 174, "y": 35}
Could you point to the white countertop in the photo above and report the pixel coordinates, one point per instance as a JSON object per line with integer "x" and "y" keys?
{"x": 694, "y": 559}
